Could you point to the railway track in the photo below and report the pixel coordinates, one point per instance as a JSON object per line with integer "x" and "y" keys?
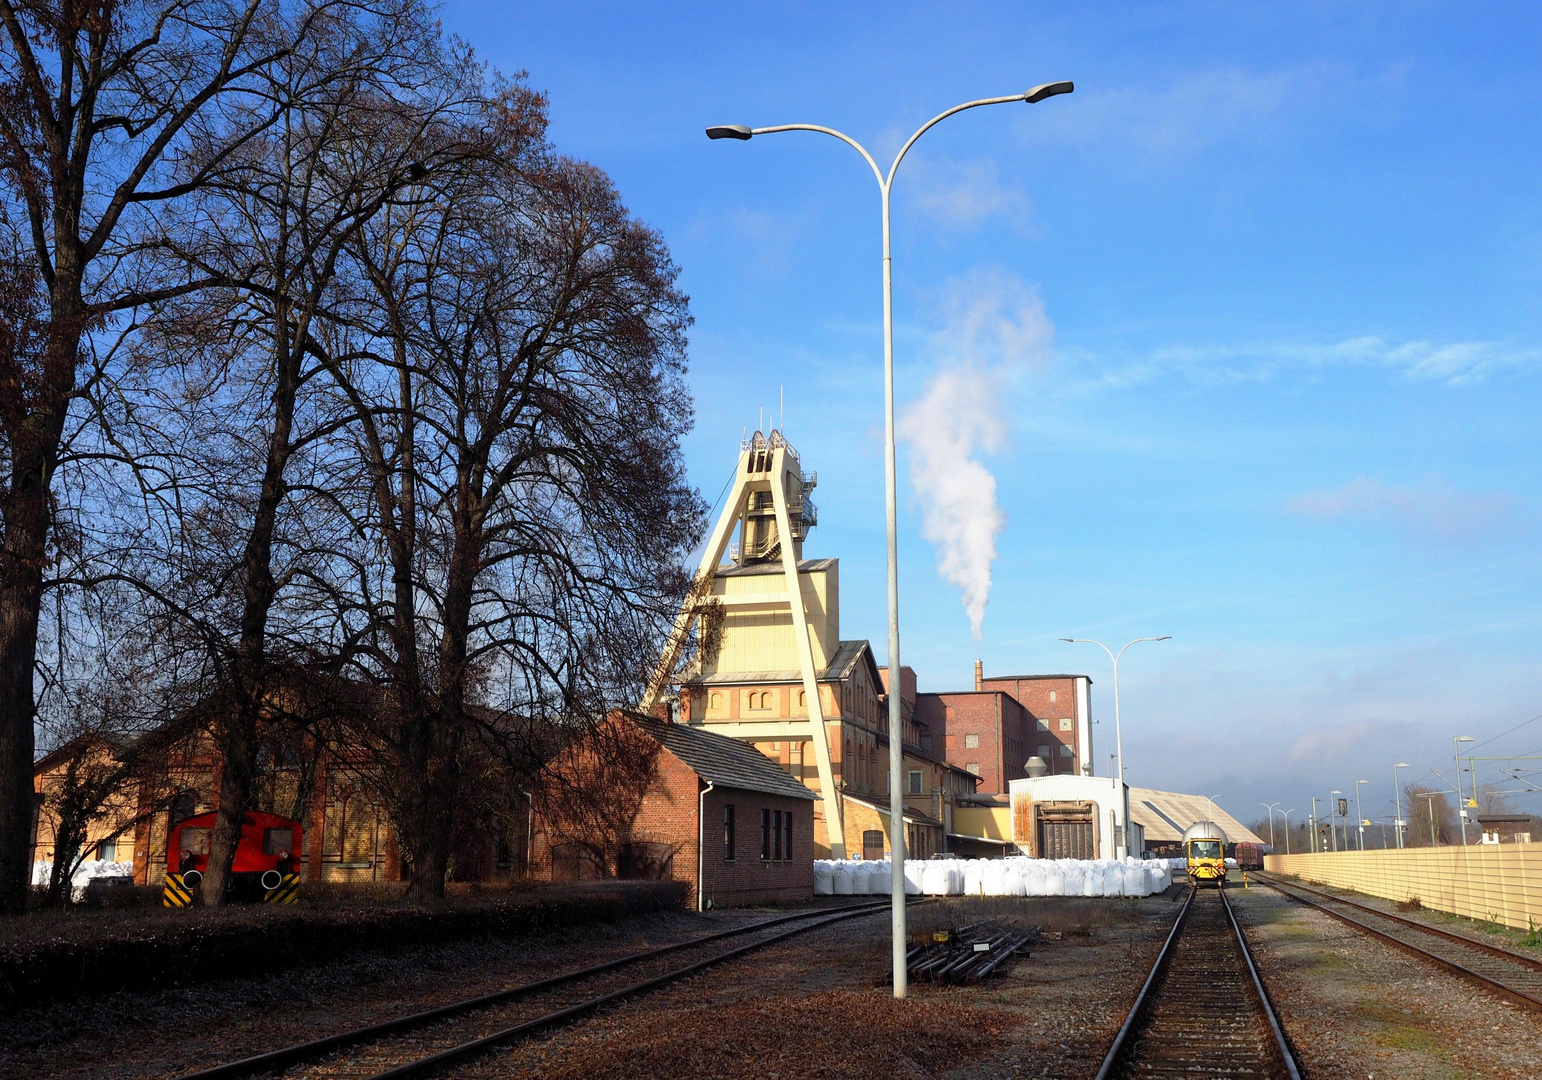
{"x": 423, "y": 1042}
{"x": 1510, "y": 974}
{"x": 1202, "y": 1010}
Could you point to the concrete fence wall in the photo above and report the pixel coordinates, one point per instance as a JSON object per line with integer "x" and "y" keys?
{"x": 1502, "y": 882}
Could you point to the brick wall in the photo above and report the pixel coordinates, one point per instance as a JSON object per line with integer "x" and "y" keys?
{"x": 1050, "y": 716}
{"x": 980, "y": 728}
{"x": 666, "y": 814}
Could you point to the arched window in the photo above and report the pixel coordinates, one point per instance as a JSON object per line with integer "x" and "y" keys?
{"x": 716, "y": 701}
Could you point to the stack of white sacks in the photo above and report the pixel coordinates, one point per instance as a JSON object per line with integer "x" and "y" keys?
{"x": 1017, "y": 876}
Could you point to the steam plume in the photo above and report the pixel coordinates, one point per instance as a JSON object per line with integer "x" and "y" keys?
{"x": 995, "y": 330}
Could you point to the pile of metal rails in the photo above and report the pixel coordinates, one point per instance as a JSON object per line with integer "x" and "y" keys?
{"x": 966, "y": 954}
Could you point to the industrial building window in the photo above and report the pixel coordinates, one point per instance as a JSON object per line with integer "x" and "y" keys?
{"x": 765, "y": 834}
{"x": 728, "y": 831}
{"x": 787, "y": 829}
{"x": 1043, "y": 725}
{"x": 776, "y": 836}
{"x": 1065, "y": 723}
{"x": 973, "y": 767}
{"x": 915, "y": 781}
{"x": 1051, "y": 696}
{"x": 1044, "y": 752}
{"x": 971, "y": 742}
{"x": 1065, "y": 751}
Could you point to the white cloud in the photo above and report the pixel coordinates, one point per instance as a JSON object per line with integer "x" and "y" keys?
{"x": 962, "y": 195}
{"x": 995, "y": 329}
{"x": 1431, "y": 508}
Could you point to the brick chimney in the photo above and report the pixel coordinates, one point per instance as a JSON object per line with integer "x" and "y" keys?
{"x": 979, "y": 675}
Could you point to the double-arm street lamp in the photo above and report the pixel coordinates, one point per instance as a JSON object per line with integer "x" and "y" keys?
{"x": 1397, "y": 802}
{"x": 891, "y": 499}
{"x": 1118, "y": 730}
{"x": 1273, "y": 808}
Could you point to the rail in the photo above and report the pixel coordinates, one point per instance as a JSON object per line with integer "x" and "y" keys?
{"x": 1197, "y": 1013}
{"x": 286, "y": 1057}
{"x": 1516, "y": 977}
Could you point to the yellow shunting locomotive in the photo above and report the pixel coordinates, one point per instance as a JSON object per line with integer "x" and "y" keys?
{"x": 1204, "y": 846}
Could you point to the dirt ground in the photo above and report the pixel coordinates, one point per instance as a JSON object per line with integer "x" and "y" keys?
{"x": 1356, "y": 1007}
{"x": 818, "y": 1005}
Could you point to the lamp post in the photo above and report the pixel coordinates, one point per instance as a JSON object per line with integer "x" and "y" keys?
{"x": 1360, "y": 814}
{"x": 1397, "y": 801}
{"x": 1271, "y": 807}
{"x": 1461, "y": 808}
{"x": 1286, "y": 814}
{"x": 1429, "y": 801}
{"x": 891, "y": 497}
{"x": 1118, "y": 729}
{"x": 1333, "y": 809}
{"x": 1311, "y": 835}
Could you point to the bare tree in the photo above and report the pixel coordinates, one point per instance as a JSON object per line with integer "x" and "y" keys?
{"x": 1431, "y": 817}
{"x": 517, "y": 403}
{"x": 97, "y": 101}
{"x": 363, "y": 110}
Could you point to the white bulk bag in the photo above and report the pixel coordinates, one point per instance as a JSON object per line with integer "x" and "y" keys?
{"x": 1135, "y": 881}
{"x": 824, "y": 877}
{"x": 843, "y": 882}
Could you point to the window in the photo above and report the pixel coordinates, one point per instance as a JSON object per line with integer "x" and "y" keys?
{"x": 973, "y": 767}
{"x": 1065, "y": 723}
{"x": 915, "y": 781}
{"x": 776, "y": 836}
{"x": 787, "y": 828}
{"x": 1044, "y": 751}
{"x": 716, "y": 702}
{"x": 765, "y": 834}
{"x": 107, "y": 850}
{"x": 728, "y": 831}
{"x": 1043, "y": 725}
{"x": 1065, "y": 751}
{"x": 645, "y": 862}
{"x": 1051, "y": 696}
{"x": 971, "y": 742}
{"x": 926, "y": 742}
{"x": 277, "y": 841}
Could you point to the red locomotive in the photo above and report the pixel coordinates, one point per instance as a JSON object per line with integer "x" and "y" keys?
{"x": 268, "y": 850}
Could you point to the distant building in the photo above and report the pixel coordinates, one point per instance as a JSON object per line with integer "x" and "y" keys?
{"x": 994, "y": 729}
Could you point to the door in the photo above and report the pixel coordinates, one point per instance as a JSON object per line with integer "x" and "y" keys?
{"x": 1066, "y": 838}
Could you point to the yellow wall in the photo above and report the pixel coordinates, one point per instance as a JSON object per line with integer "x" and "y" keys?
{"x": 988, "y": 822}
{"x": 1502, "y": 882}
{"x": 761, "y": 639}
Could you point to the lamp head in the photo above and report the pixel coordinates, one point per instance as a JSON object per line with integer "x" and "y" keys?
{"x": 1072, "y": 640}
{"x": 1402, "y": 765}
{"x": 1165, "y": 637}
{"x": 1464, "y": 738}
{"x": 729, "y": 131}
{"x": 1049, "y": 89}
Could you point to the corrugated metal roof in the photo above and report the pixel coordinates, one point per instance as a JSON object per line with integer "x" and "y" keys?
{"x": 725, "y": 762}
{"x": 1166, "y": 814}
{"x": 807, "y": 566}
{"x": 847, "y": 655}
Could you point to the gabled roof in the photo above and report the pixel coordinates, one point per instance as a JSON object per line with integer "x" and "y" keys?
{"x": 848, "y": 654}
{"x": 723, "y": 761}
{"x": 1166, "y": 814}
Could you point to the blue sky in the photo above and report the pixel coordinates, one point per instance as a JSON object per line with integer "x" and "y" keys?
{"x": 1246, "y": 332}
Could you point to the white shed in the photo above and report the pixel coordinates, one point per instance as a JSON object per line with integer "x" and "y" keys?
{"x": 1073, "y": 817}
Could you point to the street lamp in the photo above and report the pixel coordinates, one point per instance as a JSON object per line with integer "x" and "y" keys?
{"x": 1271, "y": 807}
{"x": 1359, "y": 814}
{"x": 1461, "y": 808}
{"x": 1118, "y": 729}
{"x": 891, "y": 497}
{"x": 1333, "y": 809}
{"x": 1311, "y": 835}
{"x": 1397, "y": 801}
{"x": 1286, "y": 814}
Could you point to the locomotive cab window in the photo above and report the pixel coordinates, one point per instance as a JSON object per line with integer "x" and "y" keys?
{"x": 195, "y": 841}
{"x": 277, "y": 841}
{"x": 1204, "y": 849}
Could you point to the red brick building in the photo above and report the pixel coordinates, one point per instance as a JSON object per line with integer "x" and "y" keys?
{"x": 994, "y": 729}
{"x": 701, "y": 808}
